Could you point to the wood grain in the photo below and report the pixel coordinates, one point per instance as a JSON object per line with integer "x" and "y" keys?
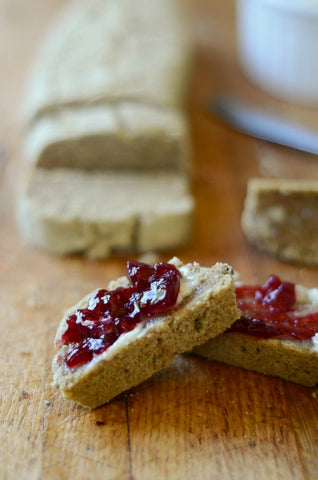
{"x": 195, "y": 419}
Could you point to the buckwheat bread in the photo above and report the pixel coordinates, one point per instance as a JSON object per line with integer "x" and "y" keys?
{"x": 280, "y": 217}
{"x": 287, "y": 359}
{"x": 292, "y": 360}
{"x": 66, "y": 211}
{"x": 207, "y": 311}
{"x": 122, "y": 136}
{"x": 110, "y": 80}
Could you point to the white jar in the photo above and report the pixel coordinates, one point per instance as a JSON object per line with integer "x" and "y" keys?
{"x": 278, "y": 47}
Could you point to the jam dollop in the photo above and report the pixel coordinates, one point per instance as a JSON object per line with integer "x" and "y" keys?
{"x": 110, "y": 313}
{"x": 272, "y": 310}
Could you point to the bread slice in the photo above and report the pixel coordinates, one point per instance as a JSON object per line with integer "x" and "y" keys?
{"x": 67, "y": 211}
{"x": 206, "y": 309}
{"x": 292, "y": 360}
{"x": 122, "y": 136}
{"x": 109, "y": 82}
{"x": 281, "y": 217}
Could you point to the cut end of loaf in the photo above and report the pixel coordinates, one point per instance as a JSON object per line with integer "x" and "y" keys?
{"x": 280, "y": 217}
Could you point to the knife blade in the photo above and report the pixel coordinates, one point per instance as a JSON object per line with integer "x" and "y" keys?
{"x": 261, "y": 124}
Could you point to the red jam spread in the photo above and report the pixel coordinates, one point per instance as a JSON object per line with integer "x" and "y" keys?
{"x": 272, "y": 311}
{"x": 109, "y": 314}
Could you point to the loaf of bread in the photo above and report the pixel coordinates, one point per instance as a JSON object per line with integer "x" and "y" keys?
{"x": 205, "y": 309}
{"x": 289, "y": 359}
{"x": 67, "y": 210}
{"x": 109, "y": 86}
{"x": 281, "y": 217}
{"x": 105, "y": 117}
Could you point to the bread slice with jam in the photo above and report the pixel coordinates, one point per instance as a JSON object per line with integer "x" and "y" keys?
{"x": 116, "y": 338}
{"x": 276, "y": 335}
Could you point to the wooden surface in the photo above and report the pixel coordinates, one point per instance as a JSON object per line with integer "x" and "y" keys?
{"x": 195, "y": 419}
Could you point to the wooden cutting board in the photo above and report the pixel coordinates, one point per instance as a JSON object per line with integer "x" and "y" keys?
{"x": 194, "y": 419}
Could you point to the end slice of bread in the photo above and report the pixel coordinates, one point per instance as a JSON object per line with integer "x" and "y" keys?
{"x": 280, "y": 217}
{"x": 207, "y": 309}
{"x": 96, "y": 213}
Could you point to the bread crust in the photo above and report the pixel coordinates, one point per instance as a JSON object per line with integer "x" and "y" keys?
{"x": 207, "y": 312}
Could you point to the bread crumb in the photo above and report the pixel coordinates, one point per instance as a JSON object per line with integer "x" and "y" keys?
{"x": 99, "y": 423}
{"x": 149, "y": 257}
{"x": 314, "y": 394}
{"x": 33, "y": 302}
{"x": 25, "y": 353}
{"x": 24, "y": 395}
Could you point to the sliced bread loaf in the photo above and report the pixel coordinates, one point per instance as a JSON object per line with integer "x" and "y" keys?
{"x": 206, "y": 306}
{"x": 67, "y": 211}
